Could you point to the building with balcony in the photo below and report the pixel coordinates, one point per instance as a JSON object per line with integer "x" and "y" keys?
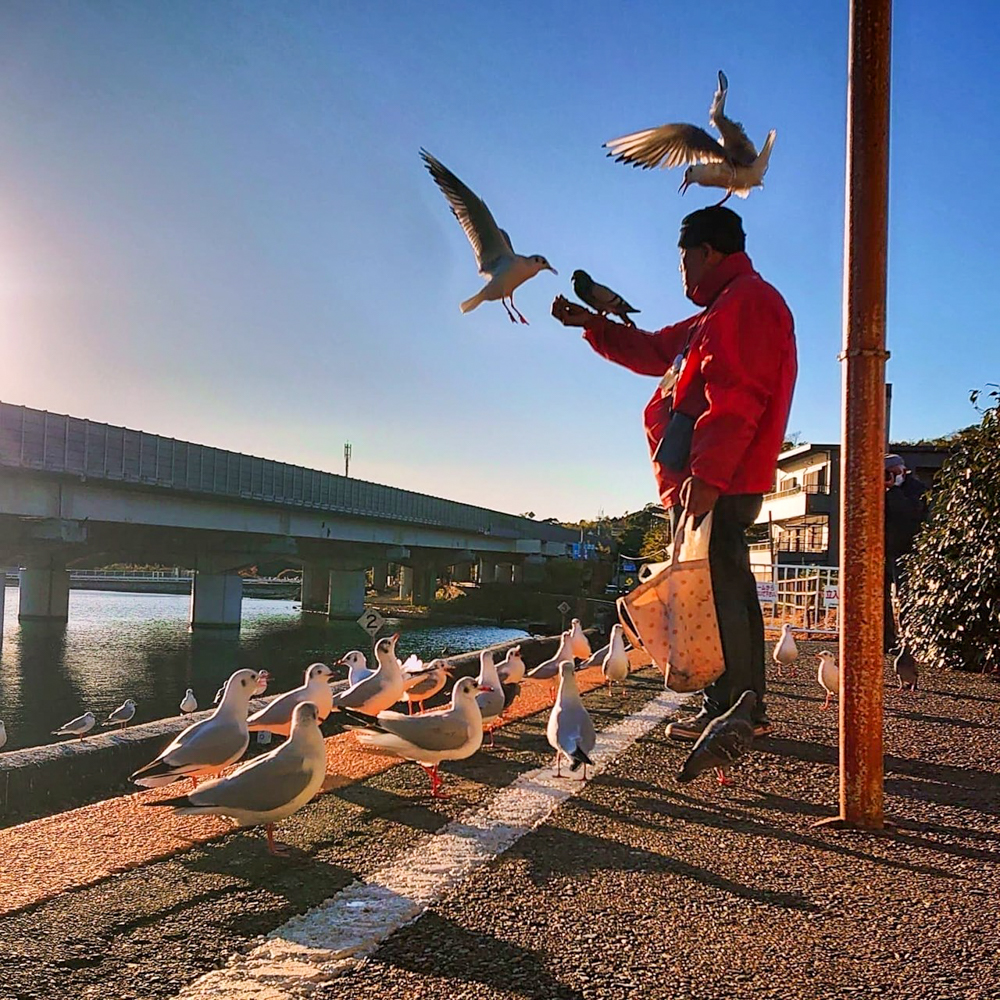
{"x": 799, "y": 521}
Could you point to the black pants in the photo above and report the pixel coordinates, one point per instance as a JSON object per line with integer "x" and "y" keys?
{"x": 741, "y": 624}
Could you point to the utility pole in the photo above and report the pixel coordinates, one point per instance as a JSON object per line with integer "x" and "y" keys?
{"x": 347, "y": 458}
{"x": 863, "y": 360}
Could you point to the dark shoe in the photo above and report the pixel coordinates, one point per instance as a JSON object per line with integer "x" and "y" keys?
{"x": 688, "y": 729}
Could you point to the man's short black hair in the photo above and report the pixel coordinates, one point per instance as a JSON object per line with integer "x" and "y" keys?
{"x": 720, "y": 227}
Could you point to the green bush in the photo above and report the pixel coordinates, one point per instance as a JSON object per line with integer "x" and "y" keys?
{"x": 950, "y": 613}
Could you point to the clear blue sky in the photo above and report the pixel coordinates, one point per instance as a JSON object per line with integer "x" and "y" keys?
{"x": 214, "y": 223}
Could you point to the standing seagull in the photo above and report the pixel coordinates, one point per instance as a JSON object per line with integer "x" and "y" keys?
{"x": 189, "y": 703}
{"x": 122, "y": 715}
{"x": 580, "y": 643}
{"x": 208, "y": 747}
{"x": 491, "y": 698}
{"x": 427, "y": 683}
{"x": 451, "y": 733}
{"x": 79, "y": 726}
{"x": 3, "y": 735}
{"x": 268, "y": 788}
{"x": 357, "y": 667}
{"x": 601, "y": 298}
{"x": 785, "y": 650}
{"x": 723, "y": 742}
{"x": 511, "y": 668}
{"x": 276, "y": 716}
{"x": 503, "y": 269}
{"x": 615, "y": 665}
{"x": 549, "y": 669}
{"x": 905, "y": 668}
{"x": 828, "y": 676}
{"x": 732, "y": 163}
{"x": 379, "y": 690}
{"x": 570, "y": 730}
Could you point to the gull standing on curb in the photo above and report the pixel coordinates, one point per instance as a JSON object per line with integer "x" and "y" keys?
{"x": 580, "y": 643}
{"x": 511, "y": 668}
{"x": 615, "y": 665}
{"x": 491, "y": 699}
{"x": 723, "y": 742}
{"x": 276, "y": 717}
{"x": 208, "y": 747}
{"x": 79, "y": 726}
{"x": 548, "y": 669}
{"x": 266, "y": 789}
{"x": 122, "y": 715}
{"x": 732, "y": 163}
{"x": 189, "y": 703}
{"x": 357, "y": 667}
{"x": 425, "y": 683}
{"x": 503, "y": 269}
{"x": 570, "y": 730}
{"x": 381, "y": 689}
{"x": 451, "y": 733}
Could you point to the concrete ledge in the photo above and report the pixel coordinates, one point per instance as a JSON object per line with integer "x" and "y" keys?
{"x": 40, "y": 781}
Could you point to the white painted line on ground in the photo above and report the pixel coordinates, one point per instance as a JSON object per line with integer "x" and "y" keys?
{"x": 330, "y": 939}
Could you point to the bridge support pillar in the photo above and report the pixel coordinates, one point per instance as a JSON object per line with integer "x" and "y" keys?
{"x": 380, "y": 576}
{"x": 424, "y": 583}
{"x": 405, "y": 583}
{"x": 44, "y": 594}
{"x": 347, "y": 593}
{"x": 316, "y": 588}
{"x": 216, "y": 600}
{"x": 487, "y": 569}
{"x": 461, "y": 572}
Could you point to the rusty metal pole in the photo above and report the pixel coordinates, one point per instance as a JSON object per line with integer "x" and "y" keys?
{"x": 862, "y": 494}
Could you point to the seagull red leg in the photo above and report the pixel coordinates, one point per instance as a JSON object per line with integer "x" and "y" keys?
{"x": 273, "y": 846}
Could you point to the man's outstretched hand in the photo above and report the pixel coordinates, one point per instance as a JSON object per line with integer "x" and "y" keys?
{"x": 570, "y": 314}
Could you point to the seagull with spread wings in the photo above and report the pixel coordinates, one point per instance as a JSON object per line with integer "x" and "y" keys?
{"x": 731, "y": 161}
{"x": 503, "y": 269}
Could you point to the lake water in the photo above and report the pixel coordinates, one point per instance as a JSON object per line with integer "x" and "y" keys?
{"x": 120, "y": 645}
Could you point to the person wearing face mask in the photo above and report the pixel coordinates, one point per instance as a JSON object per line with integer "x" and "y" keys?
{"x": 715, "y": 424}
{"x": 905, "y": 511}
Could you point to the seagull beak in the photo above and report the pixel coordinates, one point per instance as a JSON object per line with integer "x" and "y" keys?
{"x": 552, "y": 269}
{"x": 684, "y": 185}
{"x": 394, "y": 638}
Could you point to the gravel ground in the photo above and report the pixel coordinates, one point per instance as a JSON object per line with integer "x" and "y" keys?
{"x": 638, "y": 888}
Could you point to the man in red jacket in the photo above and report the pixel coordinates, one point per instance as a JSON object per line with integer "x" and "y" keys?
{"x": 715, "y": 425}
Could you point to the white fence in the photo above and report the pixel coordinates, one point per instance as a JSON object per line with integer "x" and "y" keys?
{"x": 807, "y": 596}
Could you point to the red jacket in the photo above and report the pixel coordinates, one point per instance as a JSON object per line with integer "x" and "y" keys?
{"x": 737, "y": 378}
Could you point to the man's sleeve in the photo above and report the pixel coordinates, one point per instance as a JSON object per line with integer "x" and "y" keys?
{"x": 637, "y": 350}
{"x": 739, "y": 365}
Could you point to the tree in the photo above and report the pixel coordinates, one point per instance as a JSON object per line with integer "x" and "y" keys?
{"x": 951, "y": 603}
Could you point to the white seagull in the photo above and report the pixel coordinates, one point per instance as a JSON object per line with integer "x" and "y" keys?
{"x": 276, "y": 717}
{"x": 570, "y": 730}
{"x": 511, "y": 668}
{"x": 615, "y": 665}
{"x": 189, "y": 703}
{"x": 451, "y": 733}
{"x": 79, "y": 726}
{"x": 425, "y": 684}
{"x": 3, "y": 735}
{"x": 503, "y": 269}
{"x": 379, "y": 690}
{"x": 122, "y": 715}
{"x": 208, "y": 747}
{"x": 269, "y": 788}
{"x": 580, "y": 643}
{"x": 491, "y": 698}
{"x": 828, "y": 676}
{"x": 785, "y": 650}
{"x": 357, "y": 666}
{"x": 730, "y": 162}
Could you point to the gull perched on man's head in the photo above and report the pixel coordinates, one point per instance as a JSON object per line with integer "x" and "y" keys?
{"x": 503, "y": 269}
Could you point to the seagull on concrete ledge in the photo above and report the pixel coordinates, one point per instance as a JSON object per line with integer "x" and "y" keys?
{"x": 122, "y": 715}
{"x": 730, "y": 162}
{"x": 79, "y": 726}
{"x": 503, "y": 269}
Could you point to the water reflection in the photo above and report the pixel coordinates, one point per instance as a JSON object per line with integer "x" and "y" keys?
{"x": 119, "y": 646}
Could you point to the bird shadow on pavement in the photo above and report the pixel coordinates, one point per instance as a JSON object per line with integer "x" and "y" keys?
{"x": 937, "y": 719}
{"x": 689, "y": 809}
{"x": 412, "y": 807}
{"x": 438, "y": 948}
{"x": 557, "y": 852}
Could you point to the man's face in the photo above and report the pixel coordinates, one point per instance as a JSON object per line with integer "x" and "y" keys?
{"x": 695, "y": 263}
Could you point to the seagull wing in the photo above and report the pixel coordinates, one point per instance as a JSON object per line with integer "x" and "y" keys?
{"x": 734, "y": 138}
{"x": 447, "y": 730}
{"x": 490, "y": 243}
{"x": 206, "y": 744}
{"x": 263, "y": 785}
{"x": 667, "y": 146}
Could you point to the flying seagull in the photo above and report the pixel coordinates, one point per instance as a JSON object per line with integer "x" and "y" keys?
{"x": 503, "y": 269}
{"x": 601, "y": 298}
{"x": 730, "y": 162}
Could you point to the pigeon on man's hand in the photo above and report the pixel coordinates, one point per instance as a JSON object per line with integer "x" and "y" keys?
{"x": 601, "y": 298}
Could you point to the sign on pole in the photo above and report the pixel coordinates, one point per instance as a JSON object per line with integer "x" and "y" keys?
{"x": 831, "y": 596}
{"x": 766, "y": 592}
{"x": 371, "y": 621}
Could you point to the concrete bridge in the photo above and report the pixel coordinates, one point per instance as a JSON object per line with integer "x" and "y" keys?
{"x": 74, "y": 492}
